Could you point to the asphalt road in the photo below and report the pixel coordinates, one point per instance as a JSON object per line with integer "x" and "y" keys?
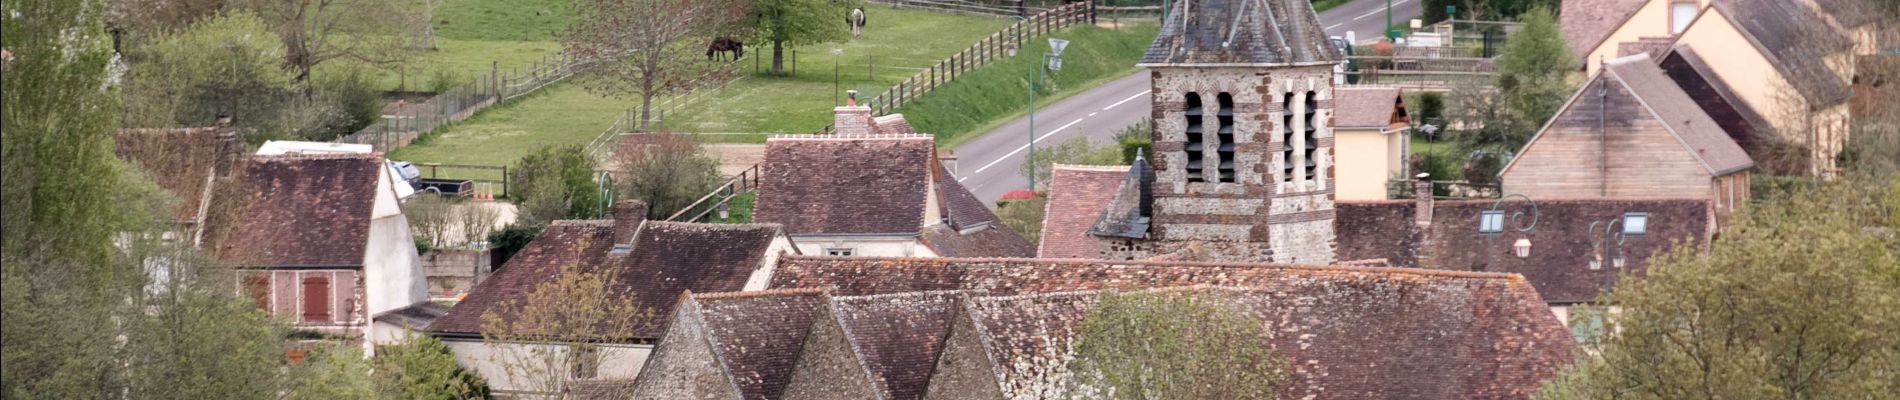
{"x": 991, "y": 165}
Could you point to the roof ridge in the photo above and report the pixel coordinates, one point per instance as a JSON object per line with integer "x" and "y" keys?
{"x": 1080, "y": 167}
{"x": 972, "y": 263}
{"x": 581, "y": 222}
{"x": 298, "y": 156}
{"x": 759, "y": 293}
{"x": 710, "y": 226}
{"x": 924, "y": 293}
{"x": 1163, "y": 289}
{"x": 847, "y": 136}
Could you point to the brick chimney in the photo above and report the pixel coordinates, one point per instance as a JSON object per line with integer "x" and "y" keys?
{"x": 853, "y": 119}
{"x": 1422, "y": 197}
{"x": 628, "y": 214}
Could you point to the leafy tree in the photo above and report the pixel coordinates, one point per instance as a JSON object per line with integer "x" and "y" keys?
{"x": 1799, "y": 299}
{"x": 666, "y": 170}
{"x": 1024, "y": 216}
{"x": 1172, "y": 345}
{"x": 579, "y": 309}
{"x": 505, "y": 242}
{"x": 797, "y": 22}
{"x": 421, "y": 367}
{"x": 1078, "y": 150}
{"x": 555, "y": 183}
{"x": 1532, "y": 71}
{"x": 233, "y": 347}
{"x": 333, "y": 372}
{"x": 228, "y": 65}
{"x": 648, "y": 48}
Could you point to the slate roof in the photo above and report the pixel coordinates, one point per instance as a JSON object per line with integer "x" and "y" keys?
{"x": 1561, "y": 246}
{"x": 898, "y": 336}
{"x": 983, "y": 241}
{"x": 757, "y": 335}
{"x": 666, "y": 259}
{"x": 1680, "y": 113}
{"x": 1367, "y": 107}
{"x": 1408, "y": 334}
{"x": 1241, "y": 32}
{"x": 297, "y": 210}
{"x": 415, "y": 316}
{"x": 1129, "y": 213}
{"x": 1793, "y": 37}
{"x": 181, "y": 161}
{"x": 1077, "y": 196}
{"x": 845, "y": 185}
{"x": 1587, "y": 23}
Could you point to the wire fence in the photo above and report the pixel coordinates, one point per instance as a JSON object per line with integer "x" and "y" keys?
{"x": 1019, "y": 8}
{"x": 410, "y": 121}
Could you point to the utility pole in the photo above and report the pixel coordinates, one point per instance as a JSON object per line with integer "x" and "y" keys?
{"x": 1390, "y": 34}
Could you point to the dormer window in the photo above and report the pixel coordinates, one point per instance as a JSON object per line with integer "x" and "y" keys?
{"x": 1286, "y": 138}
{"x": 1196, "y": 140}
{"x": 1225, "y": 155}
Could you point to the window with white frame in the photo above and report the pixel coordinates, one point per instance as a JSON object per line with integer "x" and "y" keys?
{"x": 840, "y": 251}
{"x": 1680, "y": 14}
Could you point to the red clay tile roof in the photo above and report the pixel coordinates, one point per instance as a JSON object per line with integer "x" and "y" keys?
{"x": 898, "y": 336}
{"x": 667, "y": 259}
{"x": 305, "y": 210}
{"x": 1077, "y": 196}
{"x": 758, "y": 335}
{"x": 180, "y": 161}
{"x": 1587, "y": 23}
{"x": 846, "y": 185}
{"x": 963, "y": 209}
{"x": 1364, "y": 107}
{"x": 1561, "y": 247}
{"x": 995, "y": 240}
{"x": 1343, "y": 336}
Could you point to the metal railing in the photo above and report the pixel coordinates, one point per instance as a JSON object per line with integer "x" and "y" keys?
{"x": 746, "y": 182}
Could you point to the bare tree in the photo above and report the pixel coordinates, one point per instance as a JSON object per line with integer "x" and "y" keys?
{"x": 382, "y": 33}
{"x": 648, "y": 48}
{"x": 555, "y": 334}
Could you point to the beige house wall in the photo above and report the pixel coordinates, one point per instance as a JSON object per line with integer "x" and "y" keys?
{"x": 1366, "y": 160}
{"x": 1735, "y": 60}
{"x": 512, "y": 369}
{"x": 1652, "y": 20}
{"x": 864, "y": 246}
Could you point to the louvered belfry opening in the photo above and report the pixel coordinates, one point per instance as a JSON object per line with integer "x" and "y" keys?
{"x": 1226, "y": 136}
{"x": 1196, "y": 139}
{"x": 1308, "y": 141}
{"x": 1286, "y": 138}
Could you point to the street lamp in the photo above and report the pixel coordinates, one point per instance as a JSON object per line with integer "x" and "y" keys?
{"x": 1609, "y": 244}
{"x": 1491, "y": 224}
{"x": 835, "y": 77}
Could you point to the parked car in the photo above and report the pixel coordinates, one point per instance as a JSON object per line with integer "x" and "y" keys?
{"x": 407, "y": 173}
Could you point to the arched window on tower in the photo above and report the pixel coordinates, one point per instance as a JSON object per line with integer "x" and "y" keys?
{"x": 1311, "y": 143}
{"x": 1286, "y": 138}
{"x": 1226, "y": 137}
{"x": 1195, "y": 139}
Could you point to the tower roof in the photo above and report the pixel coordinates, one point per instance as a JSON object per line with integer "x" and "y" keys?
{"x": 1244, "y": 32}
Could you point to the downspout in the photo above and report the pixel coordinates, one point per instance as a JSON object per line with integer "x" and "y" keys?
{"x": 1603, "y": 137}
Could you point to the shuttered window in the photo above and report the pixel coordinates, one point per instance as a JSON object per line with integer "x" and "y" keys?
{"x": 316, "y": 299}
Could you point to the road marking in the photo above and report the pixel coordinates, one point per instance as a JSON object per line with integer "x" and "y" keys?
{"x": 1020, "y": 149}
{"x": 1130, "y": 98}
{"x": 1093, "y": 114}
{"x": 1330, "y": 27}
{"x": 1376, "y": 12}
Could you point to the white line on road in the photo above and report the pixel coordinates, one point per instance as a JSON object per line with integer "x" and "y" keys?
{"x": 1330, "y": 27}
{"x": 1093, "y": 114}
{"x": 1019, "y": 149}
{"x": 1376, "y": 12}
{"x": 1130, "y": 98}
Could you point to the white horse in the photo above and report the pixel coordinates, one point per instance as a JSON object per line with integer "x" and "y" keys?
{"x": 856, "y": 21}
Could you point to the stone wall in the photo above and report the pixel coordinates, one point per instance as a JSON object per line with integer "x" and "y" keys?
{"x": 453, "y": 272}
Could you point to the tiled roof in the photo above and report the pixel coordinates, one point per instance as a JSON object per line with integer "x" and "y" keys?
{"x": 1693, "y": 76}
{"x": 846, "y": 185}
{"x": 1342, "y": 336}
{"x": 599, "y": 389}
{"x": 961, "y": 208}
{"x": 758, "y": 335}
{"x": 1587, "y": 23}
{"x": 1364, "y": 107}
{"x": 1850, "y": 13}
{"x": 995, "y": 240}
{"x": 303, "y": 210}
{"x": 1653, "y": 46}
{"x": 667, "y": 259}
{"x": 180, "y": 161}
{"x": 1794, "y": 38}
{"x": 1561, "y": 246}
{"x": 1679, "y": 112}
{"x": 415, "y": 316}
{"x": 1204, "y": 32}
{"x": 1077, "y": 196}
{"x": 898, "y": 336}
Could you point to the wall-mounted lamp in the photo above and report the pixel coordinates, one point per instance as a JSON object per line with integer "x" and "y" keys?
{"x": 1522, "y": 247}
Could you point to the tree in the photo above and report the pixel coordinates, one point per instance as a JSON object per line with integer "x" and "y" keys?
{"x": 333, "y": 372}
{"x": 666, "y": 170}
{"x": 422, "y": 368}
{"x": 555, "y": 183}
{"x": 1078, "y": 150}
{"x": 224, "y": 66}
{"x": 380, "y": 33}
{"x": 797, "y": 22}
{"x": 191, "y": 313}
{"x": 1798, "y": 299}
{"x": 1024, "y": 216}
{"x": 647, "y": 48}
{"x": 556, "y": 332}
{"x": 1533, "y": 69}
{"x": 1172, "y": 345}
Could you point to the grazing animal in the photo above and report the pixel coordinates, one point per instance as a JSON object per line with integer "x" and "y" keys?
{"x": 856, "y": 21}
{"x": 721, "y": 45}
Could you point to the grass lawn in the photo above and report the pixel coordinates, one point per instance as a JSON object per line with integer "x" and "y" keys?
{"x": 562, "y": 114}
{"x": 896, "y": 44}
{"x": 972, "y": 104}
{"x": 473, "y": 35}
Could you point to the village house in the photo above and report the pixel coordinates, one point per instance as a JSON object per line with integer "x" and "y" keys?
{"x": 1630, "y": 132}
{"x": 651, "y": 263}
{"x": 1077, "y": 196}
{"x": 1371, "y": 137}
{"x": 1601, "y": 30}
{"x": 187, "y": 163}
{"x": 913, "y": 328}
{"x": 875, "y": 189}
{"x": 1243, "y": 139}
{"x": 1785, "y": 62}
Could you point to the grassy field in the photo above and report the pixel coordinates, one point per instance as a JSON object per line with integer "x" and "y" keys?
{"x": 896, "y": 44}
{"x": 475, "y": 36}
{"x": 562, "y": 114}
{"x": 971, "y": 103}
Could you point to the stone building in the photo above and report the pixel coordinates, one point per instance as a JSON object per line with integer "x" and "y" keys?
{"x": 934, "y": 328}
{"x": 1243, "y": 138}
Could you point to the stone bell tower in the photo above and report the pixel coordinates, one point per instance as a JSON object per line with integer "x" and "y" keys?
{"x": 1243, "y": 138}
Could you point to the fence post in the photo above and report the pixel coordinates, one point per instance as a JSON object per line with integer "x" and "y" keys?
{"x": 494, "y": 76}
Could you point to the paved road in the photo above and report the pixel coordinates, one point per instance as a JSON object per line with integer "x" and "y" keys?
{"x": 991, "y": 165}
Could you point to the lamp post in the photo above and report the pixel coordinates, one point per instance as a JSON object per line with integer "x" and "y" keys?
{"x": 835, "y": 77}
{"x": 1491, "y": 224}
{"x": 1608, "y": 246}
